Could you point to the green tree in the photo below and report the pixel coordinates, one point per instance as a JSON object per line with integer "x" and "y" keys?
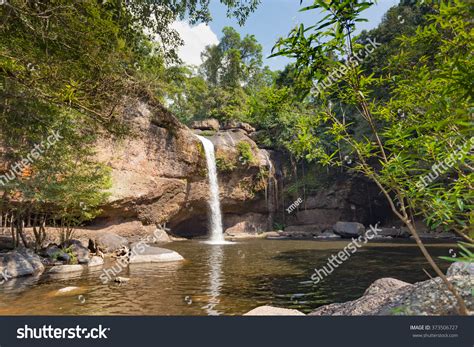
{"x": 234, "y": 61}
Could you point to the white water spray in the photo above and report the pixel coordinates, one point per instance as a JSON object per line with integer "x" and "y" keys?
{"x": 217, "y": 236}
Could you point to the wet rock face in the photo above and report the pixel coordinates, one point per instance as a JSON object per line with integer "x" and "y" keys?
{"x": 159, "y": 174}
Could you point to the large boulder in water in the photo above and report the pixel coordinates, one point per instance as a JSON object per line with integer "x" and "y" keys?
{"x": 348, "y": 229}
{"x": 388, "y": 296}
{"x": 19, "y": 263}
{"x": 142, "y": 253}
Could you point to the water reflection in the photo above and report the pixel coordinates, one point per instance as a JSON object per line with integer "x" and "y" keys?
{"x": 214, "y": 261}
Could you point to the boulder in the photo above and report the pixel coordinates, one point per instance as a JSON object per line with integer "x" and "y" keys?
{"x": 19, "y": 263}
{"x": 273, "y": 311}
{"x": 142, "y": 253}
{"x": 348, "y": 229}
{"x": 232, "y": 124}
{"x": 388, "y": 296}
{"x": 159, "y": 236}
{"x": 60, "y": 269}
{"x": 33, "y": 259}
{"x": 206, "y": 124}
{"x": 81, "y": 253}
{"x": 381, "y": 292}
{"x": 110, "y": 242}
{"x": 431, "y": 298}
{"x": 460, "y": 269}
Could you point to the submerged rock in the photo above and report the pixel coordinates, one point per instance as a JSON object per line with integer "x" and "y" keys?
{"x": 58, "y": 269}
{"x": 273, "y": 311}
{"x": 121, "y": 279}
{"x": 69, "y": 291}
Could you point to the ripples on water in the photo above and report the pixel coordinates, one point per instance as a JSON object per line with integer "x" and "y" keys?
{"x": 222, "y": 280}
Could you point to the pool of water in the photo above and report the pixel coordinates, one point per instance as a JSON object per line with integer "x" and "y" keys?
{"x": 226, "y": 279}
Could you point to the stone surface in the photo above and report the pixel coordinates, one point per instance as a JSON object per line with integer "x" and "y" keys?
{"x": 160, "y": 175}
{"x": 273, "y": 311}
{"x": 247, "y": 223}
{"x": 381, "y": 292}
{"x": 348, "y": 229}
{"x": 19, "y": 263}
{"x": 80, "y": 252}
{"x": 51, "y": 251}
{"x": 60, "y": 269}
{"x": 142, "y": 253}
{"x": 110, "y": 242}
{"x": 388, "y": 296}
{"x": 323, "y": 217}
{"x": 431, "y": 298}
{"x": 69, "y": 291}
{"x": 232, "y": 124}
{"x": 33, "y": 259}
{"x": 206, "y": 124}
{"x": 461, "y": 269}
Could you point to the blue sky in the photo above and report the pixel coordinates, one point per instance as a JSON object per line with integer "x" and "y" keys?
{"x": 272, "y": 19}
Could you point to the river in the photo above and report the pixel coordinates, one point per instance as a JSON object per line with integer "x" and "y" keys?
{"x": 222, "y": 280}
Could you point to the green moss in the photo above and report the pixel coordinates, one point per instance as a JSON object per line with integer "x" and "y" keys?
{"x": 208, "y": 133}
{"x": 246, "y": 156}
{"x": 224, "y": 164}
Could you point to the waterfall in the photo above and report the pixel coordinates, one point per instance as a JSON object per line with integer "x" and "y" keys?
{"x": 270, "y": 189}
{"x": 217, "y": 235}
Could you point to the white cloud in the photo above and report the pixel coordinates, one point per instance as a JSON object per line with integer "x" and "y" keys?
{"x": 195, "y": 38}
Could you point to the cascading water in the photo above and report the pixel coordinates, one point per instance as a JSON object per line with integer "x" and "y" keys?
{"x": 217, "y": 236}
